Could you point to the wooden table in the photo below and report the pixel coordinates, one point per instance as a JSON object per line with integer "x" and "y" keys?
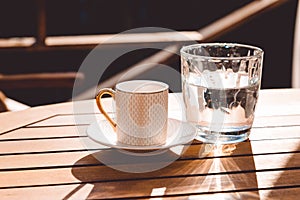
{"x": 42, "y": 157}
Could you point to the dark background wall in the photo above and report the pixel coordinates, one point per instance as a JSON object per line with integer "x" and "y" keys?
{"x": 272, "y": 31}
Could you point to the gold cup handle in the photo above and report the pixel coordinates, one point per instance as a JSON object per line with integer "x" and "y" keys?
{"x": 102, "y": 92}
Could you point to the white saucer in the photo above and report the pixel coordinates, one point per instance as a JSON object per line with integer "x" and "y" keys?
{"x": 179, "y": 133}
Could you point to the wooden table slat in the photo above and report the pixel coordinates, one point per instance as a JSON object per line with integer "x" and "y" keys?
{"x": 181, "y": 168}
{"x": 86, "y": 119}
{"x": 74, "y": 159}
{"x": 64, "y": 144}
{"x": 176, "y": 185}
{"x": 73, "y": 131}
{"x": 85, "y": 191}
{"x": 40, "y": 133}
{"x": 64, "y": 157}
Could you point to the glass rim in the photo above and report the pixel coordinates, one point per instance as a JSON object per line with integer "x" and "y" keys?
{"x": 184, "y": 48}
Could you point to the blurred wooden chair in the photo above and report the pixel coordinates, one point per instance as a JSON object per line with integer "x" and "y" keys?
{"x": 43, "y": 42}
{"x": 39, "y": 80}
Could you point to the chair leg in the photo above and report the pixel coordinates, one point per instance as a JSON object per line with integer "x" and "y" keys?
{"x": 7, "y": 104}
{"x": 3, "y": 107}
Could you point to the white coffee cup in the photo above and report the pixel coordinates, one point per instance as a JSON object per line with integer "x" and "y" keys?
{"x": 141, "y": 111}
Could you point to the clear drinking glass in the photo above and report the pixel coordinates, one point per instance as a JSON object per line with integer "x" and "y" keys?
{"x": 220, "y": 84}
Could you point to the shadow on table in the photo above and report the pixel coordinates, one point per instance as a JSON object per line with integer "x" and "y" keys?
{"x": 226, "y": 172}
{"x": 287, "y": 182}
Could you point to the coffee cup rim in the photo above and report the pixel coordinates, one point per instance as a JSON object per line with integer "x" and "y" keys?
{"x": 132, "y": 84}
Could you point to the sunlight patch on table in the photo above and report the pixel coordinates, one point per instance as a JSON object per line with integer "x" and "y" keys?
{"x": 158, "y": 192}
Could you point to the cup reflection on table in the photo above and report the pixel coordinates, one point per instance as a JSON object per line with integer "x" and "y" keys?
{"x": 220, "y": 84}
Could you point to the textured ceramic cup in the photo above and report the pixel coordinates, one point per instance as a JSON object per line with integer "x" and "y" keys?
{"x": 141, "y": 111}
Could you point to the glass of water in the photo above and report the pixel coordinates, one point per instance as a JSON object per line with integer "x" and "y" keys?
{"x": 220, "y": 84}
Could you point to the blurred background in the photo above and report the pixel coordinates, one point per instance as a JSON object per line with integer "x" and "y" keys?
{"x": 26, "y": 24}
